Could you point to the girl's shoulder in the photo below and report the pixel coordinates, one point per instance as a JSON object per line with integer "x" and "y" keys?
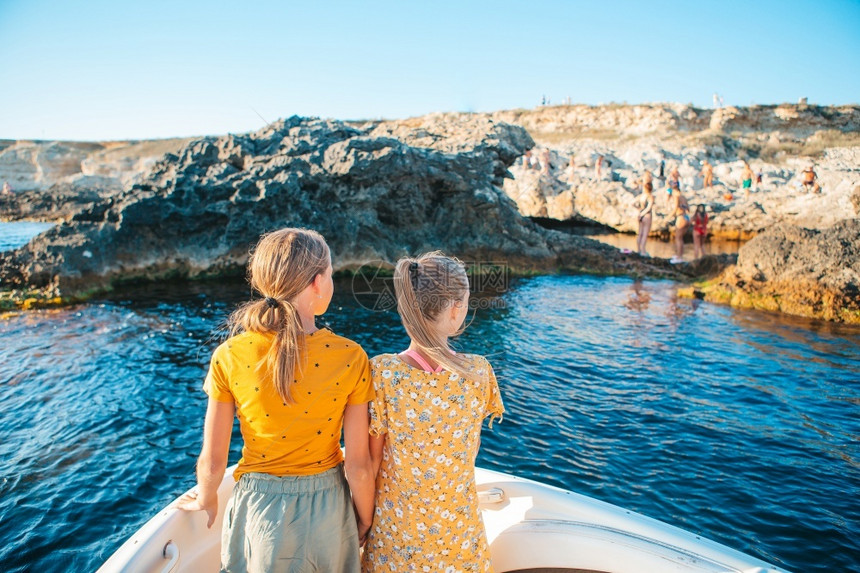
{"x": 385, "y": 360}
{"x": 243, "y": 339}
{"x": 324, "y": 341}
{"x": 393, "y": 362}
{"x": 476, "y": 360}
{"x": 480, "y": 365}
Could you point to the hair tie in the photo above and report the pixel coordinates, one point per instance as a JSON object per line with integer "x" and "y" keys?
{"x": 413, "y": 267}
{"x": 271, "y": 302}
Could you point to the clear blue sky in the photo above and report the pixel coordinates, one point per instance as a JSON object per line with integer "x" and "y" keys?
{"x": 117, "y": 69}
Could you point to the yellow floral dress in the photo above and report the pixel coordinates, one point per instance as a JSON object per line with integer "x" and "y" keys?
{"x": 427, "y": 516}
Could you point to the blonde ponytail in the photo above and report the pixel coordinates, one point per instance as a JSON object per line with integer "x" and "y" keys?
{"x": 425, "y": 287}
{"x": 282, "y": 265}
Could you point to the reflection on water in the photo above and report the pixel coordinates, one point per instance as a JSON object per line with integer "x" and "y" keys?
{"x": 664, "y": 249}
{"x": 739, "y": 426}
{"x": 638, "y": 299}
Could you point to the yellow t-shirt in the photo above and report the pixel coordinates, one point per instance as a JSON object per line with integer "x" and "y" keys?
{"x": 290, "y": 439}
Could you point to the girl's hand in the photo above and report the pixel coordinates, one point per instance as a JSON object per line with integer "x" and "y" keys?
{"x": 192, "y": 501}
{"x": 363, "y": 530}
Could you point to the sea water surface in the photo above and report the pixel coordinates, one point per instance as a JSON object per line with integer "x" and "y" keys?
{"x": 17, "y": 233}
{"x": 739, "y": 426}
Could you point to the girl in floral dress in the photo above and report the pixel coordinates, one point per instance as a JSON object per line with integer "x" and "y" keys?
{"x": 425, "y": 430}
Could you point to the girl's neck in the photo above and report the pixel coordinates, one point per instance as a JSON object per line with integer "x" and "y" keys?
{"x": 308, "y": 323}
{"x": 303, "y": 303}
{"x": 414, "y": 348}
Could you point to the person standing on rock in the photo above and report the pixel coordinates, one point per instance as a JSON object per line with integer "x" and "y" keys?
{"x": 294, "y": 387}
{"x": 700, "y": 231}
{"x": 675, "y": 178}
{"x": 648, "y": 178}
{"x": 810, "y": 180}
{"x": 707, "y": 174}
{"x": 571, "y": 168}
{"x": 646, "y": 203}
{"x": 598, "y": 166}
{"x": 747, "y": 179}
{"x": 544, "y": 161}
{"x": 674, "y": 186}
{"x": 682, "y": 223}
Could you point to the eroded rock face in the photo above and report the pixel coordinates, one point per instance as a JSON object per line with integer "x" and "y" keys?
{"x": 40, "y": 165}
{"x": 805, "y": 272}
{"x": 633, "y": 139}
{"x": 376, "y": 192}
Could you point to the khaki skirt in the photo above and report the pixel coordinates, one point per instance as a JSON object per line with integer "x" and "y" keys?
{"x": 294, "y": 524}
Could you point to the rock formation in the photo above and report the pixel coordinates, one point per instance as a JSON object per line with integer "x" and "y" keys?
{"x": 778, "y": 141}
{"x": 52, "y": 180}
{"x": 805, "y": 272}
{"x": 40, "y": 165}
{"x": 377, "y": 192}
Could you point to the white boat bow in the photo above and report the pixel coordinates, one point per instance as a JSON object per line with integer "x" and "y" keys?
{"x": 531, "y": 528}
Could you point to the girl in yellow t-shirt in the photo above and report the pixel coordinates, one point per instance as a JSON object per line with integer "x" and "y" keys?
{"x": 294, "y": 389}
{"x": 426, "y": 428}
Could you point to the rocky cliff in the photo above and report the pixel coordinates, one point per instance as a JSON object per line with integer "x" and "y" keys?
{"x": 778, "y": 141}
{"x": 39, "y": 165}
{"x": 377, "y": 192}
{"x": 52, "y": 180}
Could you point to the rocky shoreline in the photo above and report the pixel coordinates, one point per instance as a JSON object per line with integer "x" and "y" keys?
{"x": 814, "y": 273}
{"x": 379, "y": 190}
{"x": 376, "y": 192}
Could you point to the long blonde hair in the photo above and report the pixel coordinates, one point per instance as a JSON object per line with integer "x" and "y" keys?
{"x": 425, "y": 287}
{"x": 282, "y": 265}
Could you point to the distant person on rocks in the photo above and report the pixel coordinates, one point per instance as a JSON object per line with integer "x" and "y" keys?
{"x": 747, "y": 179}
{"x": 681, "y": 212}
{"x": 544, "y": 161}
{"x": 598, "y": 166}
{"x": 707, "y": 174}
{"x": 293, "y": 387}
{"x": 571, "y": 167}
{"x": 646, "y": 209}
{"x": 662, "y": 174}
{"x": 7, "y": 189}
{"x": 700, "y": 231}
{"x": 675, "y": 178}
{"x": 810, "y": 179}
{"x": 758, "y": 178}
{"x": 674, "y": 185}
{"x": 648, "y": 178}
{"x": 527, "y": 159}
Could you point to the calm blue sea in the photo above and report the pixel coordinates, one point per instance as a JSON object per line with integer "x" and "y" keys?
{"x": 743, "y": 427}
{"x": 16, "y": 234}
